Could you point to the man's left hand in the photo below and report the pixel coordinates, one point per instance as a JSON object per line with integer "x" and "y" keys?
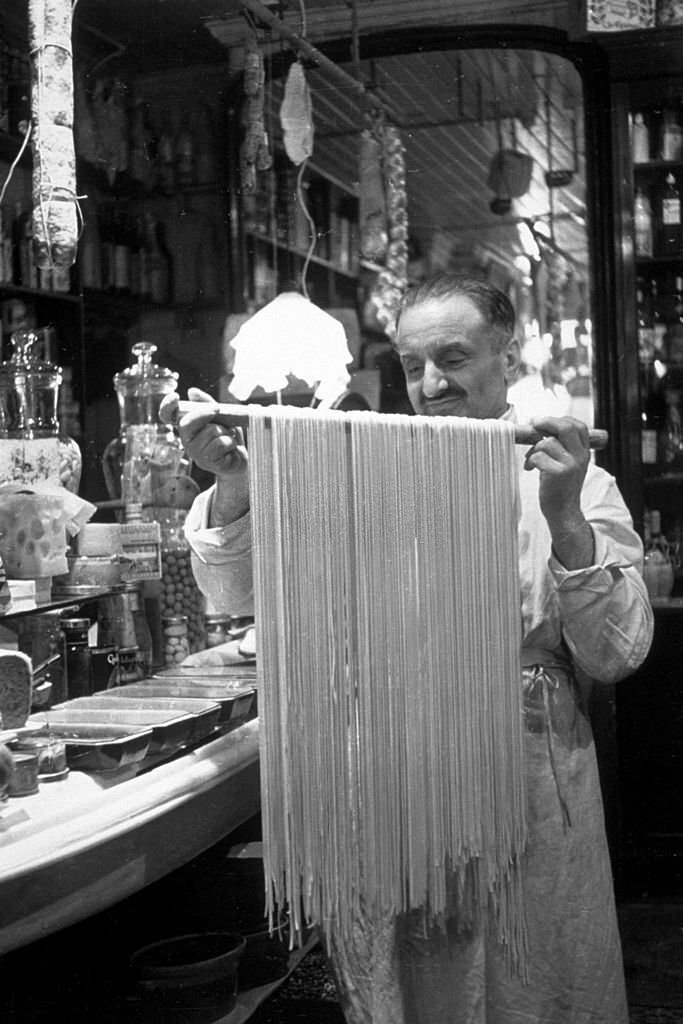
{"x": 561, "y": 457}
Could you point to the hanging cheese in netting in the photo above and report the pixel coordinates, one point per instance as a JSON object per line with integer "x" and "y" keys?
{"x": 55, "y": 206}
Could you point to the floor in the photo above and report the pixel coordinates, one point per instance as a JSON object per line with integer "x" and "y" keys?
{"x": 81, "y": 975}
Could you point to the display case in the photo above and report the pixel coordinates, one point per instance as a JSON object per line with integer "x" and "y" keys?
{"x": 647, "y": 148}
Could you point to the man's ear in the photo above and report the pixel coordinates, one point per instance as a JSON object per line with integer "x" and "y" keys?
{"x": 513, "y": 360}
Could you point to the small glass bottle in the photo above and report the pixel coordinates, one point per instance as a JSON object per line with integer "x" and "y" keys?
{"x": 640, "y": 139}
{"x": 658, "y": 569}
{"x": 176, "y": 638}
{"x": 78, "y": 666}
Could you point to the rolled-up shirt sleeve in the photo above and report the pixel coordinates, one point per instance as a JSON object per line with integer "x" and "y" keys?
{"x": 605, "y": 610}
{"x": 221, "y": 558}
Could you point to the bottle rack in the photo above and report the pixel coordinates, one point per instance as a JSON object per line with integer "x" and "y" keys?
{"x": 656, "y": 136}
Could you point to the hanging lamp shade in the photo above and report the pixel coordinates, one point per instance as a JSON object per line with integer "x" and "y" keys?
{"x": 510, "y": 173}
{"x": 291, "y": 336}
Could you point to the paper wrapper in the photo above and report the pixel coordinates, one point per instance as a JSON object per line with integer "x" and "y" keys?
{"x": 35, "y": 526}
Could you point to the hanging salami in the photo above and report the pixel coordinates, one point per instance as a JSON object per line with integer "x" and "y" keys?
{"x": 392, "y": 279}
{"x": 55, "y": 206}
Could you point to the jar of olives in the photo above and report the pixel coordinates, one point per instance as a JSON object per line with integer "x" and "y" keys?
{"x": 180, "y": 594}
{"x": 176, "y": 638}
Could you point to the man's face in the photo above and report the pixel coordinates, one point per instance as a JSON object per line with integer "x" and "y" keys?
{"x": 450, "y": 361}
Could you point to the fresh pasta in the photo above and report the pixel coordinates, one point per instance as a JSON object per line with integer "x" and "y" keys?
{"x": 387, "y": 587}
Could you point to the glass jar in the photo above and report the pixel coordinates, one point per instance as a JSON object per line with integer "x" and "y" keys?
{"x": 176, "y": 638}
{"x": 29, "y": 399}
{"x": 180, "y": 594}
{"x": 217, "y": 629}
{"x": 147, "y": 454}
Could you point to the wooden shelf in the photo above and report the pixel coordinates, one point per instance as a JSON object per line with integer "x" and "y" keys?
{"x": 37, "y": 294}
{"x": 60, "y": 601}
{"x": 264, "y": 239}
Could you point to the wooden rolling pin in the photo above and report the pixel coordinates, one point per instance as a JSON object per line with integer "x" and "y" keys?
{"x": 238, "y": 416}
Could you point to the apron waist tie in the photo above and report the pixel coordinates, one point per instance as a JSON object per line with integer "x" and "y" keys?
{"x": 541, "y": 662}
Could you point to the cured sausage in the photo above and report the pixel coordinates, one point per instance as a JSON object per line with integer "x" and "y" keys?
{"x": 55, "y": 206}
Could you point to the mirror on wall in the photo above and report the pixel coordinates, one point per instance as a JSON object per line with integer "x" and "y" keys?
{"x": 495, "y": 169}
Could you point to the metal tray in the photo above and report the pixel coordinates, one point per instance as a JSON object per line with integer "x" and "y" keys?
{"x": 223, "y": 673}
{"x": 101, "y": 748}
{"x": 205, "y": 713}
{"x": 237, "y": 701}
{"x": 170, "y": 730}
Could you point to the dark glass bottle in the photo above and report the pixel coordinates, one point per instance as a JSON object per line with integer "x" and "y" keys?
{"x": 77, "y": 660}
{"x": 653, "y": 414}
{"x": 669, "y": 217}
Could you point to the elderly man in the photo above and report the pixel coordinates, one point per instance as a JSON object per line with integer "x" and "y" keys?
{"x": 585, "y": 616}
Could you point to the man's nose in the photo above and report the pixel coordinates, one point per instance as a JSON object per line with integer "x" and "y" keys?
{"x": 433, "y": 381}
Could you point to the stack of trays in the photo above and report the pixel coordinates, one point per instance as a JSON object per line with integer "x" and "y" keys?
{"x": 152, "y": 718}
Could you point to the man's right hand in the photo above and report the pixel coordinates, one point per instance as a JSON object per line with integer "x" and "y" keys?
{"x": 215, "y": 448}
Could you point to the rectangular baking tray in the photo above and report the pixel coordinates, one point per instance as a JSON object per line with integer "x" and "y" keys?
{"x": 223, "y": 673}
{"x": 237, "y": 701}
{"x": 170, "y": 729}
{"x": 205, "y": 713}
{"x": 101, "y": 748}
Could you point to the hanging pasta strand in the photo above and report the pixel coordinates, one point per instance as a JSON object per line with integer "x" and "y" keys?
{"x": 386, "y": 577}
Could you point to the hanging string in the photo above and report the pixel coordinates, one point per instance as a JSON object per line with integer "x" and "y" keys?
{"x": 313, "y": 233}
{"x": 302, "y": 11}
{"x": 15, "y": 163}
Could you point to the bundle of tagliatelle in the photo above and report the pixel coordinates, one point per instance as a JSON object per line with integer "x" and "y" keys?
{"x": 387, "y": 588}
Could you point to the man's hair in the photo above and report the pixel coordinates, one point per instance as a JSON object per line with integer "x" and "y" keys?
{"x": 494, "y": 305}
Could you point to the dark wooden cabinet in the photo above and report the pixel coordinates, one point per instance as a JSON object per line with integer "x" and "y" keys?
{"x": 647, "y": 86}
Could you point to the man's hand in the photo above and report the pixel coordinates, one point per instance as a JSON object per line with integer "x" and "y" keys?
{"x": 217, "y": 449}
{"x": 561, "y": 457}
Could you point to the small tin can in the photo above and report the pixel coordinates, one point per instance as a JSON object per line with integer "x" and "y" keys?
{"x": 24, "y": 780}
{"x": 131, "y": 668}
{"x": 176, "y": 638}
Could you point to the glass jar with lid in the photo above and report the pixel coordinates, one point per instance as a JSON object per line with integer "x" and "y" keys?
{"x": 32, "y": 446}
{"x": 141, "y": 463}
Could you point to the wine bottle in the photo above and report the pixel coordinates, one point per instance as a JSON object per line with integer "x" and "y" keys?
{"x": 640, "y": 139}
{"x": 671, "y": 439}
{"x": 121, "y": 253}
{"x": 642, "y": 217}
{"x": 166, "y": 156}
{"x": 652, "y": 415}
{"x": 671, "y": 135}
{"x": 659, "y": 326}
{"x": 185, "y": 163}
{"x": 646, "y": 336}
{"x": 674, "y": 334}
{"x": 669, "y": 218}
